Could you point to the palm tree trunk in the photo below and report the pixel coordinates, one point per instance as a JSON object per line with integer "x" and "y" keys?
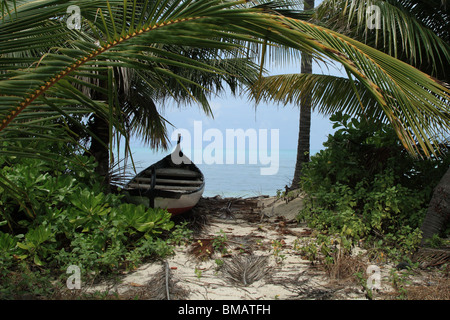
{"x": 305, "y": 118}
{"x": 304, "y": 131}
{"x": 438, "y": 213}
{"x": 99, "y": 147}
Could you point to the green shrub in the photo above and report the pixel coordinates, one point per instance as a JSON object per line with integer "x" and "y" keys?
{"x": 365, "y": 186}
{"x": 54, "y": 214}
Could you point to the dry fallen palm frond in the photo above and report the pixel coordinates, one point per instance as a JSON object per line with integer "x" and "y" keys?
{"x": 197, "y": 219}
{"x": 244, "y": 270}
{"x": 344, "y": 267}
{"x": 202, "y": 249}
{"x": 438, "y": 291}
{"x": 432, "y": 257}
{"x": 162, "y": 286}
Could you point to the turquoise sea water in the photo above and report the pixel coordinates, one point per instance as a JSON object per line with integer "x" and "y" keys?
{"x": 232, "y": 180}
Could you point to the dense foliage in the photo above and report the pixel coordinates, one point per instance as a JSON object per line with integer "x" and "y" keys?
{"x": 63, "y": 217}
{"x": 364, "y": 186}
{"x": 54, "y": 212}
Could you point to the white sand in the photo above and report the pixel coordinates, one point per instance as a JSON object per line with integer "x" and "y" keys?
{"x": 287, "y": 275}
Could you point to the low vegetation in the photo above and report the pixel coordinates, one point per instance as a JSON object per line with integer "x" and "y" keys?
{"x": 363, "y": 186}
{"x": 63, "y": 217}
{"x": 362, "y": 189}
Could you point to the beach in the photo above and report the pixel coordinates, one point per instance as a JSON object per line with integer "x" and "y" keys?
{"x": 260, "y": 259}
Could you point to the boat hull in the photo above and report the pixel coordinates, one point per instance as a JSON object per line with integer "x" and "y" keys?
{"x": 174, "y": 206}
{"x": 167, "y": 185}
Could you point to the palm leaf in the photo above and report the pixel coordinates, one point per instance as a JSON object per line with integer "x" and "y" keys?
{"x": 413, "y": 102}
{"x": 329, "y": 94}
{"x": 410, "y": 30}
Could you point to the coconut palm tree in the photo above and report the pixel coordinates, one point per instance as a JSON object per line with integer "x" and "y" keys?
{"x": 138, "y": 91}
{"x": 44, "y": 64}
{"x": 414, "y": 31}
{"x": 304, "y": 130}
{"x": 141, "y": 97}
{"x": 330, "y": 94}
{"x": 423, "y": 40}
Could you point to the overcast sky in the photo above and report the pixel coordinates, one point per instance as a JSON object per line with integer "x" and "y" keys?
{"x": 239, "y": 113}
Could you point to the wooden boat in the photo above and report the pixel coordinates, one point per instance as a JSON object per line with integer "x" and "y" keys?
{"x": 173, "y": 183}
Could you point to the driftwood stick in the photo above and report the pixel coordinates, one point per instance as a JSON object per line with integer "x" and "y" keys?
{"x": 167, "y": 280}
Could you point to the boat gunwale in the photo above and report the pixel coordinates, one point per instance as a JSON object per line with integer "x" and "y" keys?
{"x": 163, "y": 164}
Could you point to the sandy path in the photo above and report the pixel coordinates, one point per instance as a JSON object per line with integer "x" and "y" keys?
{"x": 260, "y": 259}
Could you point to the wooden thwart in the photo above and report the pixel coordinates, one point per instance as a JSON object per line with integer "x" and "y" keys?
{"x": 158, "y": 187}
{"x": 177, "y": 172}
{"x": 169, "y": 181}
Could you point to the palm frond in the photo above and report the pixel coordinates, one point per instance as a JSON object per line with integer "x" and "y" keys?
{"x": 415, "y": 104}
{"x": 134, "y": 34}
{"x": 410, "y": 30}
{"x": 329, "y": 94}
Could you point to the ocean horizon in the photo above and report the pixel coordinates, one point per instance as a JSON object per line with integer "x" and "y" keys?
{"x": 229, "y": 179}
